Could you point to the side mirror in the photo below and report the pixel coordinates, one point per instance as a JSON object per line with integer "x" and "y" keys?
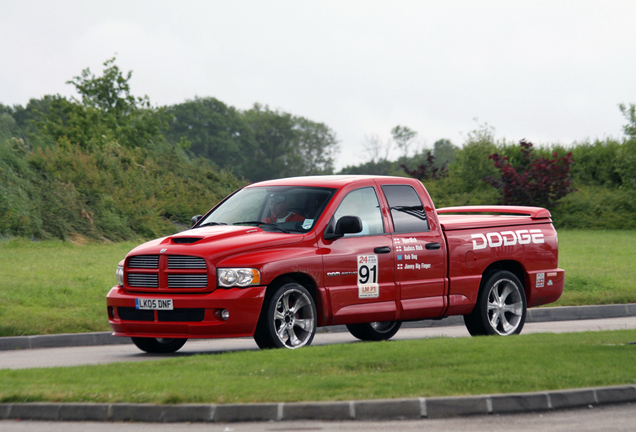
{"x": 345, "y": 225}
{"x": 195, "y": 220}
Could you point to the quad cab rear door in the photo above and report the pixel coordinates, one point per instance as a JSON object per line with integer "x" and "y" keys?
{"x": 419, "y": 251}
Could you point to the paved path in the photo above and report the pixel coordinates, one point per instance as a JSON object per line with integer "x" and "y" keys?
{"x": 74, "y": 356}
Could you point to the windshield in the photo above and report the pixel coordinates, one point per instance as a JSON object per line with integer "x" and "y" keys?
{"x": 280, "y": 208}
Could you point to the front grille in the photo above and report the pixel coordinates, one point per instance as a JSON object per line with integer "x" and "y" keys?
{"x": 143, "y": 280}
{"x": 187, "y": 281}
{"x": 144, "y": 261}
{"x": 186, "y": 262}
{"x": 178, "y": 272}
{"x": 175, "y": 315}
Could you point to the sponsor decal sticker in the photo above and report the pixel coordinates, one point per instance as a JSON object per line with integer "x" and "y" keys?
{"x": 368, "y": 276}
{"x": 540, "y": 280}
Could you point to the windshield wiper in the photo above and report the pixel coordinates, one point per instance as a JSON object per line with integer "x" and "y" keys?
{"x": 259, "y": 223}
{"x": 211, "y": 224}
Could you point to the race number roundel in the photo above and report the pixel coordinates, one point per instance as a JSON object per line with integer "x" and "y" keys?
{"x": 368, "y": 276}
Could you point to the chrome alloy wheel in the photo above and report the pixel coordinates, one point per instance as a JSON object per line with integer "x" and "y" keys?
{"x": 383, "y": 326}
{"x": 294, "y": 318}
{"x": 505, "y": 307}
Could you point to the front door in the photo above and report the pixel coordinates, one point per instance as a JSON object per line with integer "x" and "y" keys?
{"x": 360, "y": 267}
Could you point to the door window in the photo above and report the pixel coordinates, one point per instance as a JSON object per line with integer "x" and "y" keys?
{"x": 364, "y": 204}
{"x": 406, "y": 209}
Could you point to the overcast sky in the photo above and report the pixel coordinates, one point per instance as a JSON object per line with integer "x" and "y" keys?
{"x": 549, "y": 71}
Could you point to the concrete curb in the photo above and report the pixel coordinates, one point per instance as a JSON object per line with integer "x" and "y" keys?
{"x": 386, "y": 409}
{"x": 565, "y": 313}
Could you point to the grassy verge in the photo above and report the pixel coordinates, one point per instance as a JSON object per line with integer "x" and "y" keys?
{"x": 430, "y": 367}
{"x": 59, "y": 287}
{"x": 56, "y": 287}
{"x": 599, "y": 267}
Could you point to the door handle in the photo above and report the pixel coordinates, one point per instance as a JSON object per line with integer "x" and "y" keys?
{"x": 433, "y": 245}
{"x": 382, "y": 250}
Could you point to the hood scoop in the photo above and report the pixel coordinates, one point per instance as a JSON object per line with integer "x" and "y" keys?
{"x": 186, "y": 240}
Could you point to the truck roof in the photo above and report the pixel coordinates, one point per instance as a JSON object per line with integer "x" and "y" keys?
{"x": 331, "y": 181}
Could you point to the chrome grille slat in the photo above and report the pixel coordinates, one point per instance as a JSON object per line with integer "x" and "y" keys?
{"x": 143, "y": 280}
{"x": 144, "y": 261}
{"x": 186, "y": 262}
{"x": 187, "y": 281}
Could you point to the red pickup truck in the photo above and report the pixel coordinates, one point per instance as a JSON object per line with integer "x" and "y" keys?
{"x": 279, "y": 258}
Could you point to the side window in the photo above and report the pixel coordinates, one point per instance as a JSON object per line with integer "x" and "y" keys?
{"x": 406, "y": 208}
{"x": 364, "y": 204}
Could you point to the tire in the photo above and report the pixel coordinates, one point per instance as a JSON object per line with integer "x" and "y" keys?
{"x": 288, "y": 319}
{"x": 375, "y": 331}
{"x": 501, "y": 307}
{"x": 158, "y": 345}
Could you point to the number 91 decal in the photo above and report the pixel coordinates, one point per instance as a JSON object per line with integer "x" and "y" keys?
{"x": 368, "y": 276}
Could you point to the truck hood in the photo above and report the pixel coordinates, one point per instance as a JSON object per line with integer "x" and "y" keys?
{"x": 216, "y": 242}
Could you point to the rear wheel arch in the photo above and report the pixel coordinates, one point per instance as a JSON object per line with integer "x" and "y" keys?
{"x": 513, "y": 267}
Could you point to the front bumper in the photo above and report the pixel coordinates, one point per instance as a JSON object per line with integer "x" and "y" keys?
{"x": 193, "y": 316}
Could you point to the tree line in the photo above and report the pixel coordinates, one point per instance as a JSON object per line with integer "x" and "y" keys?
{"x": 109, "y": 165}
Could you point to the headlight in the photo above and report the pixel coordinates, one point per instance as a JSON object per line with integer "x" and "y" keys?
{"x": 238, "y": 277}
{"x": 120, "y": 276}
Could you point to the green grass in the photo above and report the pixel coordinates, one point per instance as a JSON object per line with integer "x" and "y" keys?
{"x": 415, "y": 368}
{"x": 599, "y": 267}
{"x": 60, "y": 287}
{"x": 56, "y": 287}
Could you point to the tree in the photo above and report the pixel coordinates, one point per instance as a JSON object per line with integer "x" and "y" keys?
{"x": 215, "y": 131}
{"x": 289, "y": 146}
{"x": 444, "y": 152}
{"x": 428, "y": 170}
{"x": 630, "y": 115}
{"x": 535, "y": 181}
{"x": 316, "y": 147}
{"x": 404, "y": 139}
{"x": 109, "y": 92}
{"x": 376, "y": 148}
{"x": 471, "y": 162}
{"x": 107, "y": 113}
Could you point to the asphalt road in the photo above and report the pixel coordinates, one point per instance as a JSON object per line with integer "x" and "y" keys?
{"x": 73, "y": 356}
{"x": 618, "y": 418}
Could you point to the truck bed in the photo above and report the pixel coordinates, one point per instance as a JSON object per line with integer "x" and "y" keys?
{"x": 469, "y": 217}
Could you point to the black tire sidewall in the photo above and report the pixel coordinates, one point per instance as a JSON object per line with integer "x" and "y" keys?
{"x": 366, "y": 332}
{"x": 153, "y": 346}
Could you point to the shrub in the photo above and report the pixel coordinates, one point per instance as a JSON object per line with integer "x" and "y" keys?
{"x": 535, "y": 180}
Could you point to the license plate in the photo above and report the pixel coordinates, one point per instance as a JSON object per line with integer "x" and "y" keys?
{"x": 153, "y": 304}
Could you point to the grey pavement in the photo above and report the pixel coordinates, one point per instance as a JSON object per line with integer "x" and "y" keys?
{"x": 565, "y": 313}
{"x": 394, "y": 409}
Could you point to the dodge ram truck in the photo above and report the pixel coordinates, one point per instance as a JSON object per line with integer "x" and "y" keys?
{"x": 277, "y": 259}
